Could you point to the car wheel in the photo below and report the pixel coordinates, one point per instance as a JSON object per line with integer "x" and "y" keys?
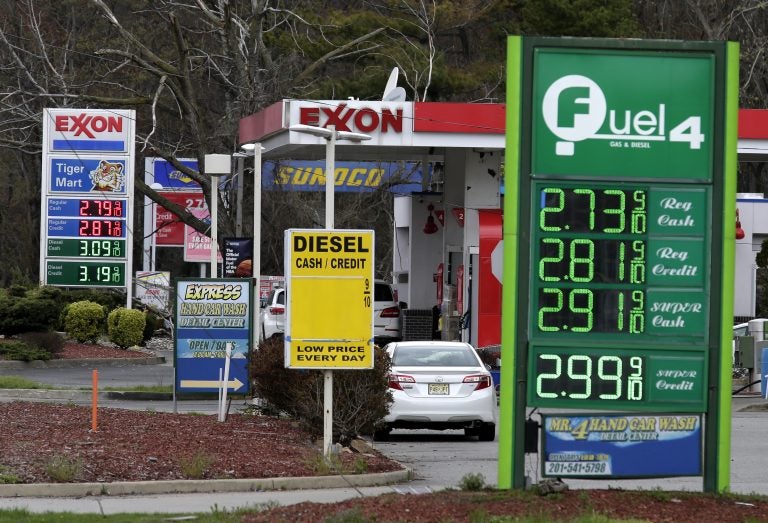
{"x": 381, "y": 434}
{"x": 487, "y": 432}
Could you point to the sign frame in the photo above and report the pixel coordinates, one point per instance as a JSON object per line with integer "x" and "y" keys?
{"x": 88, "y": 154}
{"x": 614, "y": 446}
{"x": 523, "y": 113}
{"x": 199, "y": 343}
{"x": 324, "y": 268}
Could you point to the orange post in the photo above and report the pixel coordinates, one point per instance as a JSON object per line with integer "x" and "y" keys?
{"x": 95, "y": 401}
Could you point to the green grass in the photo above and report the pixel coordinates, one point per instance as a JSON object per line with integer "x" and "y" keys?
{"x": 17, "y": 382}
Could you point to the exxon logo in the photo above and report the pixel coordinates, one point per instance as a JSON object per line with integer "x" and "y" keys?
{"x": 575, "y": 109}
{"x": 87, "y": 125}
{"x": 346, "y": 118}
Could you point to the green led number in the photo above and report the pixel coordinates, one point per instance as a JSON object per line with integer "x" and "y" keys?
{"x": 549, "y": 375}
{"x": 618, "y": 211}
{"x": 573, "y": 306}
{"x": 586, "y": 376}
{"x": 100, "y": 248}
{"x": 582, "y": 310}
{"x": 545, "y": 310}
{"x": 622, "y": 256}
{"x": 557, "y": 208}
{"x": 591, "y": 194}
{"x": 607, "y": 376}
{"x": 637, "y": 264}
{"x": 637, "y": 314}
{"x": 587, "y": 260}
{"x": 551, "y": 259}
{"x": 638, "y": 218}
{"x": 635, "y": 382}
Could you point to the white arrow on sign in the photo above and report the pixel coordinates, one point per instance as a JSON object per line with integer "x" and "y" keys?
{"x": 234, "y": 384}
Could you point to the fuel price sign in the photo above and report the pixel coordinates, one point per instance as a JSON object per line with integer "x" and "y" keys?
{"x": 619, "y": 193}
{"x": 618, "y": 228}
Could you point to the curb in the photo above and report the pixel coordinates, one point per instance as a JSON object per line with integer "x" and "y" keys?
{"x": 63, "y": 364}
{"x": 61, "y": 490}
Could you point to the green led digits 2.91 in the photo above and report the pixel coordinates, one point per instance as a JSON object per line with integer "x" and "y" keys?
{"x": 590, "y": 259}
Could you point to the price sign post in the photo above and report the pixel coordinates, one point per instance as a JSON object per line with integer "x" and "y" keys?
{"x": 618, "y": 261}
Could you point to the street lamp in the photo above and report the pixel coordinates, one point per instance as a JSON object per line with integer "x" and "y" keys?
{"x": 255, "y": 149}
{"x": 331, "y": 135}
{"x": 216, "y": 165}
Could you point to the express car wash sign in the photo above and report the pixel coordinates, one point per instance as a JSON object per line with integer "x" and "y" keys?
{"x": 329, "y": 307}
{"x": 619, "y": 231}
{"x": 210, "y": 314}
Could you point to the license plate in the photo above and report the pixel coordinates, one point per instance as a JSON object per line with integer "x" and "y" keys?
{"x": 439, "y": 389}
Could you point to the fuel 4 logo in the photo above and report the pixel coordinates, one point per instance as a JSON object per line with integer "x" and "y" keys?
{"x": 575, "y": 109}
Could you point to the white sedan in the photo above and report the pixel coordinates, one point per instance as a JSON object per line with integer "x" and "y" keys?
{"x": 439, "y": 385}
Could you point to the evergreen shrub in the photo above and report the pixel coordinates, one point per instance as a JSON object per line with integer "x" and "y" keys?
{"x": 25, "y": 314}
{"x": 84, "y": 321}
{"x": 19, "y": 351}
{"x": 125, "y": 327}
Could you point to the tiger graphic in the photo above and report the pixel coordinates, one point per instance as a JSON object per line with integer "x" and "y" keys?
{"x": 108, "y": 177}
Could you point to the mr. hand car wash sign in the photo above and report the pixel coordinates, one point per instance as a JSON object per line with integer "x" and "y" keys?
{"x": 329, "y": 310}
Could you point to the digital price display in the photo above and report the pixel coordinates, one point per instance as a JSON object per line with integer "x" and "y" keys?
{"x": 85, "y": 274}
{"x": 100, "y": 228}
{"x": 103, "y": 208}
{"x": 588, "y": 237}
{"x": 615, "y": 266}
{"x": 90, "y": 207}
{"x": 86, "y": 241}
{"x": 86, "y": 248}
{"x": 589, "y": 376}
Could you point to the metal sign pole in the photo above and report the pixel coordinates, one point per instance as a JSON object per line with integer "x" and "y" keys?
{"x": 330, "y": 160}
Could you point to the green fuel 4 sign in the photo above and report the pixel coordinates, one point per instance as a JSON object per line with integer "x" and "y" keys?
{"x": 652, "y": 114}
{"x": 618, "y": 230}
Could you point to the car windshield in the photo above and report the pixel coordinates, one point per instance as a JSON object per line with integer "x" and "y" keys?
{"x": 426, "y": 356}
{"x": 382, "y": 292}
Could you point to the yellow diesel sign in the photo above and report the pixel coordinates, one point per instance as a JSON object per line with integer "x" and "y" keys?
{"x": 329, "y": 286}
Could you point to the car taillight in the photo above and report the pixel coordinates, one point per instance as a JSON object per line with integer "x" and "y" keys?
{"x": 395, "y": 380}
{"x": 390, "y": 312}
{"x": 277, "y": 311}
{"x": 482, "y": 381}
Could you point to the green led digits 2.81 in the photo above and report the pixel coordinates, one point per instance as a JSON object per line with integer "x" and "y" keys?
{"x": 590, "y": 259}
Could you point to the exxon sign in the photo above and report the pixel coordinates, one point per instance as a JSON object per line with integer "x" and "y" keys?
{"x": 356, "y": 116}
{"x": 89, "y": 130}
